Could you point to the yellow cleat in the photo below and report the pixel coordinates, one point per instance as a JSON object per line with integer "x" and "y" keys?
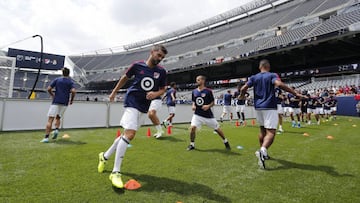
{"x": 116, "y": 181}
{"x": 102, "y": 162}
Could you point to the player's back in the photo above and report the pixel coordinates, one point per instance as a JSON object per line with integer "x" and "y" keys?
{"x": 63, "y": 86}
{"x": 227, "y": 99}
{"x": 264, "y": 90}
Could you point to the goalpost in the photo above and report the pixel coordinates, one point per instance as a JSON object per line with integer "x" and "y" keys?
{"x": 7, "y": 73}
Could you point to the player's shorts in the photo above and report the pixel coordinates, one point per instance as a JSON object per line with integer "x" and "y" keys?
{"x": 171, "y": 109}
{"x": 227, "y": 109}
{"x": 197, "y": 121}
{"x": 286, "y": 109}
{"x": 155, "y": 104}
{"x": 267, "y": 118}
{"x": 56, "y": 110}
{"x": 132, "y": 119}
{"x": 294, "y": 110}
{"x": 303, "y": 109}
{"x": 280, "y": 109}
{"x": 333, "y": 108}
{"x": 240, "y": 108}
{"x": 327, "y": 111}
{"x": 319, "y": 110}
{"x": 309, "y": 110}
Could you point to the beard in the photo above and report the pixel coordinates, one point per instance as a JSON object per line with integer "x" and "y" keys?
{"x": 155, "y": 62}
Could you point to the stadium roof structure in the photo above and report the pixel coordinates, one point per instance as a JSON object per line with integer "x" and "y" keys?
{"x": 206, "y": 24}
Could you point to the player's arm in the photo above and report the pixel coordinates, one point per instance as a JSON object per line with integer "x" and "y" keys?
{"x": 173, "y": 97}
{"x": 208, "y": 106}
{"x": 154, "y": 94}
{"x": 73, "y": 92}
{"x": 119, "y": 85}
{"x": 243, "y": 92}
{"x": 193, "y": 106}
{"x": 50, "y": 91}
{"x": 284, "y": 87}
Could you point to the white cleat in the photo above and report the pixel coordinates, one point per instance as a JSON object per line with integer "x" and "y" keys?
{"x": 158, "y": 135}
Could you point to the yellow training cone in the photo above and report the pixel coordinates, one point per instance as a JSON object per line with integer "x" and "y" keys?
{"x": 335, "y": 124}
{"x": 306, "y": 134}
{"x": 330, "y": 137}
{"x": 354, "y": 125}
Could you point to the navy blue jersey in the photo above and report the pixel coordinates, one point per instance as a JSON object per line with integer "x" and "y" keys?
{"x": 227, "y": 99}
{"x": 200, "y": 98}
{"x": 146, "y": 79}
{"x": 319, "y": 102}
{"x": 240, "y": 101}
{"x": 293, "y": 101}
{"x": 63, "y": 86}
{"x": 311, "y": 104}
{"x": 264, "y": 90}
{"x": 278, "y": 95}
{"x": 304, "y": 102}
{"x": 327, "y": 104}
{"x": 169, "y": 100}
{"x": 333, "y": 101}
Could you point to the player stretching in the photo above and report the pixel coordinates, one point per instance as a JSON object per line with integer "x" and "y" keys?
{"x": 240, "y": 104}
{"x": 149, "y": 83}
{"x": 280, "y": 110}
{"x": 264, "y": 84}
{"x": 170, "y": 102}
{"x": 64, "y": 86}
{"x": 203, "y": 100}
{"x": 227, "y": 108}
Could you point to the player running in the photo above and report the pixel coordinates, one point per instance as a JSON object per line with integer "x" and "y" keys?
{"x": 148, "y": 84}
{"x": 227, "y": 108}
{"x": 64, "y": 86}
{"x": 264, "y": 84}
{"x": 171, "y": 103}
{"x": 203, "y": 100}
{"x": 240, "y": 104}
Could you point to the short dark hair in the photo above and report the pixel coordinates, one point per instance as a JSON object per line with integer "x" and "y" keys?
{"x": 65, "y": 72}
{"x": 172, "y": 84}
{"x": 202, "y": 77}
{"x": 264, "y": 62}
{"x": 158, "y": 47}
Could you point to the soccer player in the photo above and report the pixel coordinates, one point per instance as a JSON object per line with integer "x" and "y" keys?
{"x": 264, "y": 84}
{"x": 227, "y": 106}
{"x": 280, "y": 110}
{"x": 170, "y": 102}
{"x": 155, "y": 106}
{"x": 333, "y": 107}
{"x": 203, "y": 100}
{"x": 63, "y": 86}
{"x": 303, "y": 107}
{"x": 294, "y": 109}
{"x": 240, "y": 104}
{"x": 148, "y": 84}
{"x": 319, "y": 104}
{"x": 311, "y": 108}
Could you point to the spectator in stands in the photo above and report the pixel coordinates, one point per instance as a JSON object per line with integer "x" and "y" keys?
{"x": 64, "y": 86}
{"x": 227, "y": 108}
{"x": 264, "y": 84}
{"x": 148, "y": 84}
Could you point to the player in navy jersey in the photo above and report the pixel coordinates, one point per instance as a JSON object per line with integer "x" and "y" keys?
{"x": 264, "y": 84}
{"x": 227, "y": 108}
{"x": 303, "y": 107}
{"x": 203, "y": 100}
{"x": 171, "y": 103}
{"x": 240, "y": 104}
{"x": 333, "y": 107}
{"x": 319, "y": 104}
{"x": 148, "y": 84}
{"x": 280, "y": 109}
{"x": 63, "y": 86}
{"x": 311, "y": 108}
{"x": 294, "y": 103}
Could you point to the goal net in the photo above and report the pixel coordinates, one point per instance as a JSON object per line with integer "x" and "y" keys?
{"x": 7, "y": 72}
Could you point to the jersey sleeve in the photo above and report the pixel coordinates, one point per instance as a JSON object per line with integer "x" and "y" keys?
{"x": 250, "y": 82}
{"x": 53, "y": 83}
{"x": 130, "y": 71}
{"x": 274, "y": 77}
{"x": 211, "y": 96}
{"x": 162, "y": 81}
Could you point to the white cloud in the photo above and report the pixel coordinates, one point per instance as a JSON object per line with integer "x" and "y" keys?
{"x": 76, "y": 26}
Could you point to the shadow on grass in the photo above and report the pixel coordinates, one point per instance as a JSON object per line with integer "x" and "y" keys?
{"x": 223, "y": 151}
{"x": 292, "y": 165}
{"x": 161, "y": 184}
{"x": 69, "y": 142}
{"x": 170, "y": 139}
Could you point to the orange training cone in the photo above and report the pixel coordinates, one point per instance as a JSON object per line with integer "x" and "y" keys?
{"x": 148, "y": 132}
{"x": 118, "y": 133}
{"x": 253, "y": 122}
{"x": 237, "y": 124}
{"x": 169, "y": 130}
{"x": 132, "y": 185}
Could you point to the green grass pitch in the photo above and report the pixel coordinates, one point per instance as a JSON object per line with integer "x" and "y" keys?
{"x": 302, "y": 169}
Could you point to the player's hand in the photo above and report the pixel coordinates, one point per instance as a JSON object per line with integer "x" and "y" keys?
{"x": 112, "y": 97}
{"x": 205, "y": 107}
{"x": 193, "y": 108}
{"x": 71, "y": 102}
{"x": 151, "y": 95}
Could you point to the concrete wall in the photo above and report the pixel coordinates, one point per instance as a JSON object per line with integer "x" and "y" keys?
{"x": 16, "y": 114}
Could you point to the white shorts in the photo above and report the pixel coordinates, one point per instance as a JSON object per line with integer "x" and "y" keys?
{"x": 132, "y": 119}
{"x": 295, "y": 110}
{"x": 56, "y": 110}
{"x": 227, "y": 109}
{"x": 197, "y": 121}
{"x": 309, "y": 110}
{"x": 280, "y": 109}
{"x": 327, "y": 111}
{"x": 333, "y": 108}
{"x": 171, "y": 109}
{"x": 267, "y": 118}
{"x": 240, "y": 108}
{"x": 319, "y": 110}
{"x": 286, "y": 109}
{"x": 155, "y": 104}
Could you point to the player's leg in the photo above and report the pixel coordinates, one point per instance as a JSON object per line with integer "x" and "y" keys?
{"x": 212, "y": 123}
{"x": 223, "y": 113}
{"x": 280, "y": 111}
{"x": 242, "y": 110}
{"x": 53, "y": 111}
{"x": 196, "y": 122}
{"x": 237, "y": 110}
{"x": 154, "y": 107}
{"x": 103, "y": 157}
{"x": 309, "y": 111}
{"x": 169, "y": 119}
{"x": 298, "y": 112}
{"x": 293, "y": 123}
